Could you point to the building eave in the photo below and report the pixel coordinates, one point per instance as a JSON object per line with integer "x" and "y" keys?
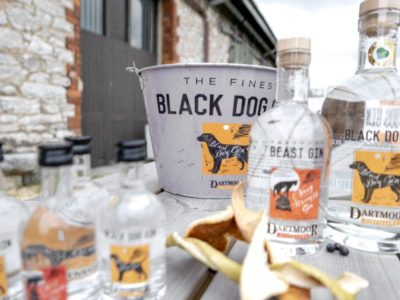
{"x": 248, "y": 14}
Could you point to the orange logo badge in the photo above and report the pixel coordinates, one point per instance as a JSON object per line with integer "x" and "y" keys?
{"x": 224, "y": 148}
{"x": 294, "y": 194}
{"x": 130, "y": 264}
{"x": 376, "y": 178}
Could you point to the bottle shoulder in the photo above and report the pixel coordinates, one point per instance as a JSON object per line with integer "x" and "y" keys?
{"x": 12, "y": 209}
{"x": 130, "y": 206}
{"x": 367, "y": 86}
{"x": 291, "y": 121}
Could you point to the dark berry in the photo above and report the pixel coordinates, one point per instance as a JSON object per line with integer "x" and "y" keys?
{"x": 330, "y": 247}
{"x": 338, "y": 246}
{"x": 344, "y": 251}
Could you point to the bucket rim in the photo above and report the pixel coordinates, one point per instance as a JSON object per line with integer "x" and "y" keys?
{"x": 213, "y": 65}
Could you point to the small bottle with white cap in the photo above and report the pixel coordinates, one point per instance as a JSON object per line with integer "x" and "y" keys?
{"x": 288, "y": 158}
{"x": 364, "y": 114}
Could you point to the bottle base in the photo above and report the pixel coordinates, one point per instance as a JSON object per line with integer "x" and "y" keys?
{"x": 298, "y": 249}
{"x": 364, "y": 239}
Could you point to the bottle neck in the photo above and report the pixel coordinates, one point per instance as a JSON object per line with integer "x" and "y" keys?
{"x": 377, "y": 49}
{"x": 56, "y": 182}
{"x": 292, "y": 85}
{"x": 132, "y": 175}
{"x": 81, "y": 169}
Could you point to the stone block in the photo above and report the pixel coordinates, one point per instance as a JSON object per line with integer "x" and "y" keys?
{"x": 20, "y": 162}
{"x": 32, "y": 63}
{"x": 7, "y": 60}
{"x": 47, "y": 92}
{"x": 4, "y": 118}
{"x": 42, "y": 119}
{"x": 60, "y": 80}
{"x": 10, "y": 39}
{"x": 22, "y": 19}
{"x": 18, "y": 105}
{"x": 64, "y": 55}
{"x": 39, "y": 77}
{"x": 62, "y": 24}
{"x": 51, "y": 7}
{"x": 50, "y": 108}
{"x": 3, "y": 18}
{"x": 9, "y": 128}
{"x": 15, "y": 75}
{"x": 39, "y": 46}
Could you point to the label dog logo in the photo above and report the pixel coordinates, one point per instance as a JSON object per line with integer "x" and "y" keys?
{"x": 225, "y": 149}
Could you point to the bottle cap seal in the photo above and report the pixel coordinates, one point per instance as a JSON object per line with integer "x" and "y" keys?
{"x": 80, "y": 144}
{"x": 132, "y": 150}
{"x": 55, "y": 155}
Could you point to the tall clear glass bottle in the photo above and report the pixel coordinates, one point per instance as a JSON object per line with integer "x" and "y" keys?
{"x": 288, "y": 158}
{"x": 87, "y": 196}
{"x": 364, "y": 113}
{"x": 13, "y": 214}
{"x": 58, "y": 249}
{"x": 131, "y": 233}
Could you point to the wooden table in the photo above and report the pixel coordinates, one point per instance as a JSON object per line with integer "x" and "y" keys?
{"x": 189, "y": 279}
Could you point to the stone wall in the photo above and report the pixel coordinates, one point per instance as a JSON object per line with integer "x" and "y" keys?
{"x": 36, "y": 69}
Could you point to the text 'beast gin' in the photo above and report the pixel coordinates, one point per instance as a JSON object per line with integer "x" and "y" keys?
{"x": 288, "y": 159}
{"x": 364, "y": 114}
{"x": 130, "y": 233}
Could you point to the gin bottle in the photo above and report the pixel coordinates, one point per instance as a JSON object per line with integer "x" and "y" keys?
{"x": 87, "y": 196}
{"x": 288, "y": 158}
{"x": 58, "y": 249}
{"x": 131, "y": 233}
{"x": 364, "y": 113}
{"x": 12, "y": 216}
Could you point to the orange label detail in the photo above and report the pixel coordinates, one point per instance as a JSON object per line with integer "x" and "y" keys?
{"x": 3, "y": 278}
{"x": 376, "y": 178}
{"x": 50, "y": 241}
{"x": 224, "y": 148}
{"x": 130, "y": 264}
{"x": 52, "y": 286}
{"x": 294, "y": 194}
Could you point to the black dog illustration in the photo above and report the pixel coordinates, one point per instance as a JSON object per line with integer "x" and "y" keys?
{"x": 128, "y": 266}
{"x": 283, "y": 203}
{"x": 285, "y": 186}
{"x": 56, "y": 257}
{"x": 372, "y": 181}
{"x": 221, "y": 151}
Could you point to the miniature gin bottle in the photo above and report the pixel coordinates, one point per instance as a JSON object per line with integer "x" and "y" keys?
{"x": 87, "y": 196}
{"x": 364, "y": 114}
{"x": 131, "y": 233}
{"x": 58, "y": 249}
{"x": 12, "y": 216}
{"x": 288, "y": 158}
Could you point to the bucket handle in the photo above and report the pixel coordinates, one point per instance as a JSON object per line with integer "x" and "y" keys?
{"x": 135, "y": 70}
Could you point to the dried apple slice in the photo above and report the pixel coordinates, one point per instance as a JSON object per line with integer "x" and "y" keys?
{"x": 296, "y": 273}
{"x": 257, "y": 281}
{"x": 206, "y": 254}
{"x": 215, "y": 229}
{"x": 246, "y": 220}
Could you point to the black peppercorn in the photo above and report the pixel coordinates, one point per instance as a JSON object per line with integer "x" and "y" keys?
{"x": 330, "y": 247}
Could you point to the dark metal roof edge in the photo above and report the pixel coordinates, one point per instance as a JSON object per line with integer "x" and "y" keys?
{"x": 254, "y": 12}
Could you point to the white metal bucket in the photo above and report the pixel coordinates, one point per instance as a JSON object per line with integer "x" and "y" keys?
{"x": 200, "y": 117}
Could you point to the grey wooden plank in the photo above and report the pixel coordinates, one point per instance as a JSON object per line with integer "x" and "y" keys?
{"x": 186, "y": 276}
{"x": 221, "y": 287}
{"x": 382, "y": 272}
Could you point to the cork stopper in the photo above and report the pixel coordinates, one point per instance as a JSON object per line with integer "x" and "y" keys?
{"x": 382, "y": 14}
{"x": 293, "y": 52}
{"x": 368, "y": 6}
